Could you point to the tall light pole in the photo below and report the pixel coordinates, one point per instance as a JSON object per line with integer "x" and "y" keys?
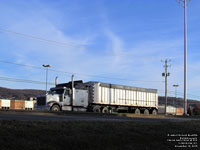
{"x": 175, "y": 86}
{"x": 184, "y": 3}
{"x": 46, "y": 66}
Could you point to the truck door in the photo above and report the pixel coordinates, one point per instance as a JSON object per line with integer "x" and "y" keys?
{"x": 67, "y": 100}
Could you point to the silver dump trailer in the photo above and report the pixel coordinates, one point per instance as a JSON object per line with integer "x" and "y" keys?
{"x": 99, "y": 97}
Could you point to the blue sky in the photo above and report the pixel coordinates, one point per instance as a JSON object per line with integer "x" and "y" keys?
{"x": 109, "y": 38}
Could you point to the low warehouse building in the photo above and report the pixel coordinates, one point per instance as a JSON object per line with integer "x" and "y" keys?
{"x": 29, "y": 105}
{"x": 16, "y": 104}
{"x": 5, "y": 104}
{"x": 170, "y": 110}
{"x": 179, "y": 111}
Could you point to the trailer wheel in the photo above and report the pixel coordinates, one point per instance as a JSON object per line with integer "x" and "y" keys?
{"x": 154, "y": 112}
{"x": 146, "y": 112}
{"x": 137, "y": 111}
{"x": 55, "y": 108}
{"x": 96, "y": 109}
{"x": 105, "y": 110}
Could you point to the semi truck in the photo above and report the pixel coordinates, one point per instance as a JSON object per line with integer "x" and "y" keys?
{"x": 99, "y": 97}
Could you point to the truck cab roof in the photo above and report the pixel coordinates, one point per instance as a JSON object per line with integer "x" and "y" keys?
{"x": 58, "y": 88}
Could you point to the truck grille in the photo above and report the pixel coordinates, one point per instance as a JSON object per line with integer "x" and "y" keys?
{"x": 41, "y": 101}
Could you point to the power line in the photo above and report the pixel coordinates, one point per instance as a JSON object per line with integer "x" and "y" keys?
{"x": 104, "y": 77}
{"x": 50, "y": 83}
{"x": 179, "y": 93}
{"x": 24, "y": 81}
{"x": 39, "y": 38}
{"x": 80, "y": 74}
{"x": 71, "y": 45}
{"x": 4, "y": 78}
{"x": 8, "y": 62}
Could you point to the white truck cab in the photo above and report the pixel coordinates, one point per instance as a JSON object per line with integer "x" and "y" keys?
{"x": 60, "y": 98}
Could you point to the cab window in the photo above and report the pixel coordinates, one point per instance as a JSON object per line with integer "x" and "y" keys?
{"x": 67, "y": 92}
{"x": 57, "y": 91}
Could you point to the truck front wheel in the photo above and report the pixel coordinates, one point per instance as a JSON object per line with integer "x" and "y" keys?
{"x": 97, "y": 109}
{"x": 55, "y": 108}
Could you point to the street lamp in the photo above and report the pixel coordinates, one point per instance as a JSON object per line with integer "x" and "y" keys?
{"x": 46, "y": 66}
{"x": 175, "y": 86}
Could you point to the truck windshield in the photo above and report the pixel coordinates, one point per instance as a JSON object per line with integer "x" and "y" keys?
{"x": 60, "y": 91}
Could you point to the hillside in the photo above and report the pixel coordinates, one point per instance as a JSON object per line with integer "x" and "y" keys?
{"x": 21, "y": 94}
{"x": 178, "y": 102}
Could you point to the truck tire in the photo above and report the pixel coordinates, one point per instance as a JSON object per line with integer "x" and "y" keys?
{"x": 55, "y": 108}
{"x": 154, "y": 112}
{"x": 97, "y": 109}
{"x": 105, "y": 110}
{"x": 137, "y": 111}
{"x": 146, "y": 112}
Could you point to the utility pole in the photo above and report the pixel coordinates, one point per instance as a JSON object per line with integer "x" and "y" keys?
{"x": 166, "y": 74}
{"x": 175, "y": 86}
{"x": 72, "y": 101}
{"x": 185, "y": 3}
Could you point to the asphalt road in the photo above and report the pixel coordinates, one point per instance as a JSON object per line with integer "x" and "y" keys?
{"x": 49, "y": 116}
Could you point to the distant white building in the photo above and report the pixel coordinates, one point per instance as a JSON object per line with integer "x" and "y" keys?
{"x": 170, "y": 110}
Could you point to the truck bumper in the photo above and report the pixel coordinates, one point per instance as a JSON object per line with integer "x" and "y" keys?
{"x": 42, "y": 107}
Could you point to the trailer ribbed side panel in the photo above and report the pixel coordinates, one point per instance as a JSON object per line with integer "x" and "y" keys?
{"x": 125, "y": 96}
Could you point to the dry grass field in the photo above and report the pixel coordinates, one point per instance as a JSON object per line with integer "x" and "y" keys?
{"x": 91, "y": 135}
